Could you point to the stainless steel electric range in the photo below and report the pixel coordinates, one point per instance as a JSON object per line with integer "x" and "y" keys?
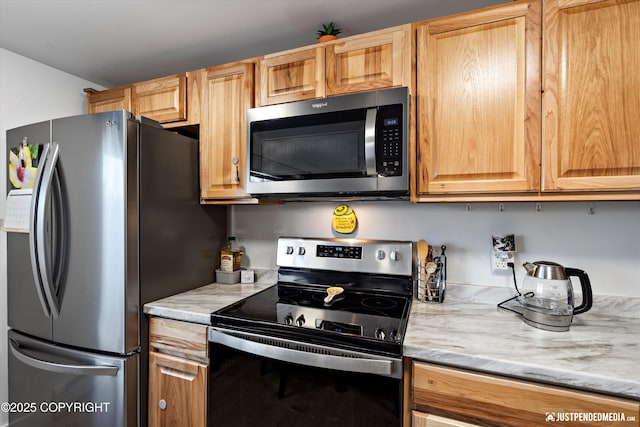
{"x": 330, "y": 329}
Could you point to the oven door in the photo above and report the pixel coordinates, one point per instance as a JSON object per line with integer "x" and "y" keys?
{"x": 272, "y": 382}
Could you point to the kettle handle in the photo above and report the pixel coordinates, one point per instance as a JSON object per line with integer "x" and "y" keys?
{"x": 585, "y": 283}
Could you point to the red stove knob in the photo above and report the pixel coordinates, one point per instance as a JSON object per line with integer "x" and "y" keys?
{"x": 380, "y": 334}
{"x": 288, "y": 319}
{"x": 300, "y": 320}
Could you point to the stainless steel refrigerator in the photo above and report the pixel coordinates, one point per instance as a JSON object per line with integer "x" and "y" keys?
{"x": 114, "y": 222}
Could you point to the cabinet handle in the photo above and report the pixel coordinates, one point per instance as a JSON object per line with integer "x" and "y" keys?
{"x": 235, "y": 162}
{"x": 162, "y": 404}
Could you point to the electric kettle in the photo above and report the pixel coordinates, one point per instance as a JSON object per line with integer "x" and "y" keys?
{"x": 547, "y": 295}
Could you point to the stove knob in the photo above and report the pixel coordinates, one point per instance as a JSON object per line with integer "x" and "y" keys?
{"x": 380, "y": 334}
{"x": 288, "y": 319}
{"x": 289, "y": 250}
{"x": 394, "y": 256}
{"x": 300, "y": 320}
{"x": 301, "y": 250}
{"x": 380, "y": 254}
{"x": 393, "y": 335}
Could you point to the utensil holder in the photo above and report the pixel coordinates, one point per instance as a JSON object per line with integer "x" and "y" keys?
{"x": 431, "y": 287}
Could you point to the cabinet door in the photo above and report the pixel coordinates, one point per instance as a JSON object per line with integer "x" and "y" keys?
{"x": 375, "y": 60}
{"x": 478, "y": 86}
{"x": 109, "y": 100}
{"x": 163, "y": 99}
{"x": 292, "y": 76}
{"x": 591, "y": 101}
{"x": 226, "y": 95}
{"x": 492, "y": 399}
{"x": 421, "y": 419}
{"x": 177, "y": 391}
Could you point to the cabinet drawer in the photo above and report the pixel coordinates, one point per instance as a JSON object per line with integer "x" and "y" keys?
{"x": 181, "y": 338}
{"x": 508, "y": 401}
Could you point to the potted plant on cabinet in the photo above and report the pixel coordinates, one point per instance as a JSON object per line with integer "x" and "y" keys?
{"x": 328, "y": 32}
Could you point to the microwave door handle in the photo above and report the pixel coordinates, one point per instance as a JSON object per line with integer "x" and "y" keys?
{"x": 370, "y": 141}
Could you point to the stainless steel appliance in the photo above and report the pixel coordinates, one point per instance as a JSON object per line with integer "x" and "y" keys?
{"x": 291, "y": 355}
{"x": 115, "y": 222}
{"x": 344, "y": 146}
{"x": 547, "y": 295}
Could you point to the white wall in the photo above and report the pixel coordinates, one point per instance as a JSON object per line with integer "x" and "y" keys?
{"x": 604, "y": 243}
{"x": 29, "y": 92}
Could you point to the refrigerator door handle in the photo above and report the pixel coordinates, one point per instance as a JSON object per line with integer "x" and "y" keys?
{"x": 61, "y": 368}
{"x": 33, "y": 240}
{"x": 38, "y": 211}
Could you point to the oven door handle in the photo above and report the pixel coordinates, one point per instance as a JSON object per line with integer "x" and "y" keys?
{"x": 306, "y": 354}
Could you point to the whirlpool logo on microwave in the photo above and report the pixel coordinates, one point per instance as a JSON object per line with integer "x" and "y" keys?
{"x": 319, "y": 105}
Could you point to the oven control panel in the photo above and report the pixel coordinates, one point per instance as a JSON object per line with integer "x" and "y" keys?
{"x": 362, "y": 256}
{"x": 339, "y": 251}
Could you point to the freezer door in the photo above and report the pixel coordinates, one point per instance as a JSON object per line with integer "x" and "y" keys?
{"x": 97, "y": 165}
{"x": 27, "y": 309}
{"x": 60, "y": 387}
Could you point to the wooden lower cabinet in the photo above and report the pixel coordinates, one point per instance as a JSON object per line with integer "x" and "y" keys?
{"x": 177, "y": 392}
{"x": 421, "y": 419}
{"x": 454, "y": 395}
{"x": 178, "y": 374}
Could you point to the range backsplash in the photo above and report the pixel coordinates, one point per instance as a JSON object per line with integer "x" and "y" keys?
{"x": 600, "y": 237}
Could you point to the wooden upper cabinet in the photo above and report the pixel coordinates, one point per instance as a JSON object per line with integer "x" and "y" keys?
{"x": 376, "y": 60}
{"x": 163, "y": 99}
{"x": 591, "y": 101}
{"x": 478, "y": 109}
{"x": 227, "y": 92}
{"x": 292, "y": 76}
{"x": 109, "y": 100}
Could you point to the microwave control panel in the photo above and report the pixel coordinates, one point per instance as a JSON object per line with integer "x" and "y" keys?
{"x": 389, "y": 141}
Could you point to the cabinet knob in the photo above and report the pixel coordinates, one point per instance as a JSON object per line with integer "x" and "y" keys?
{"x": 162, "y": 404}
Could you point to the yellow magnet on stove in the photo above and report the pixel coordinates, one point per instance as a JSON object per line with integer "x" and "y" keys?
{"x": 344, "y": 219}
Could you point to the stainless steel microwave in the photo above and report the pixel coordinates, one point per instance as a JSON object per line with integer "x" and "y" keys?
{"x": 341, "y": 147}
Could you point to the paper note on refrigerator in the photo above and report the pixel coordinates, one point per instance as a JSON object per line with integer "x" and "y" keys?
{"x": 17, "y": 211}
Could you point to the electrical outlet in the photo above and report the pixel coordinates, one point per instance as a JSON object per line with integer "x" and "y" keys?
{"x": 502, "y": 252}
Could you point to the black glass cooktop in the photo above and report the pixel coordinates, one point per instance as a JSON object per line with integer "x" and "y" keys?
{"x": 356, "y": 318}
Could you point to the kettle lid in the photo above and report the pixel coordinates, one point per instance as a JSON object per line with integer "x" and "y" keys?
{"x": 545, "y": 270}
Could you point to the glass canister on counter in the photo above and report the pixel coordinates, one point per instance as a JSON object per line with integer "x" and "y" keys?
{"x": 230, "y": 255}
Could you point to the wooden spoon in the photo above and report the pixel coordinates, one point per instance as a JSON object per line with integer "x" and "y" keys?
{"x": 332, "y": 292}
{"x": 423, "y": 252}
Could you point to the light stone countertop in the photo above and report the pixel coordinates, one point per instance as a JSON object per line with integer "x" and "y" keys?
{"x": 197, "y": 304}
{"x": 600, "y": 352}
